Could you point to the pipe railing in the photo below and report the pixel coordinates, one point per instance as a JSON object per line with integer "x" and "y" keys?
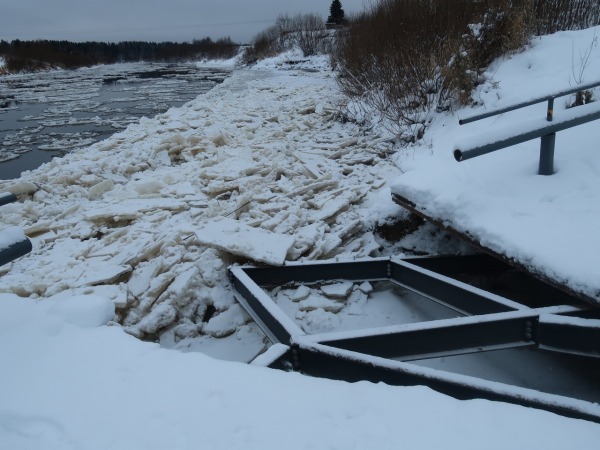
{"x": 15, "y": 246}
{"x": 546, "y": 132}
{"x": 7, "y": 197}
{"x": 549, "y": 98}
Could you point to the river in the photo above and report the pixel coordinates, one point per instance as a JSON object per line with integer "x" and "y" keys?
{"x": 47, "y": 114}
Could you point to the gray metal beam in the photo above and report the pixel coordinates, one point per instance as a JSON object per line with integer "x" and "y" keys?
{"x": 269, "y": 317}
{"x": 325, "y": 362}
{"x": 311, "y": 272}
{"x": 569, "y": 335}
{"x": 446, "y": 291}
{"x": 444, "y": 337}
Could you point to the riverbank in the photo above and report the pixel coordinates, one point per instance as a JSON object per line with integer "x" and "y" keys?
{"x": 136, "y": 224}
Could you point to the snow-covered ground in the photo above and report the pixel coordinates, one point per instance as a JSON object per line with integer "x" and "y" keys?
{"x": 139, "y": 229}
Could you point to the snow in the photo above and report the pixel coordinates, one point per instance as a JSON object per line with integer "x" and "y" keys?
{"x": 11, "y": 236}
{"x": 547, "y": 223}
{"x": 226, "y": 64}
{"x": 135, "y": 232}
{"x": 64, "y": 386}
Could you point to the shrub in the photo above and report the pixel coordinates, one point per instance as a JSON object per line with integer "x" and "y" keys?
{"x": 408, "y": 59}
{"x": 392, "y": 58}
{"x": 308, "y": 33}
{"x": 305, "y": 31}
{"x": 559, "y": 15}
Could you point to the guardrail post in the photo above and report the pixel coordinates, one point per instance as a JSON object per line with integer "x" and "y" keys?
{"x": 550, "y": 112}
{"x": 546, "y": 166}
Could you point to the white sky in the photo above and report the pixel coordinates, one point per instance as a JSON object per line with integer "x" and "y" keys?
{"x": 150, "y": 20}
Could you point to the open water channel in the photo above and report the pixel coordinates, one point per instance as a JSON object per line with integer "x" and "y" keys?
{"x": 47, "y": 114}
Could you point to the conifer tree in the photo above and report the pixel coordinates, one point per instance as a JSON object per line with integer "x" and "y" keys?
{"x": 336, "y": 13}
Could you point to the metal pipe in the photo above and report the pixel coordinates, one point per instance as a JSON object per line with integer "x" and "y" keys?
{"x": 495, "y": 112}
{"x": 15, "y": 251}
{"x": 546, "y": 166}
{"x": 6, "y": 198}
{"x": 550, "y": 128}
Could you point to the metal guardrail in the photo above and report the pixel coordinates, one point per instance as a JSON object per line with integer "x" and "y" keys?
{"x": 17, "y": 248}
{"x": 546, "y": 132}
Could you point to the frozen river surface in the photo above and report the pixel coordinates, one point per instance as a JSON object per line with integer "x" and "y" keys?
{"x": 46, "y": 114}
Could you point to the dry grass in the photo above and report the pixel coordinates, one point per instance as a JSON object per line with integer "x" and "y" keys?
{"x": 409, "y": 59}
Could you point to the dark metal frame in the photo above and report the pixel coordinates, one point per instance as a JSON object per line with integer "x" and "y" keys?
{"x": 487, "y": 322}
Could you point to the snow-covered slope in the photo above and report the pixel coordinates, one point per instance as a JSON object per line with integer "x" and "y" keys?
{"x": 548, "y": 223}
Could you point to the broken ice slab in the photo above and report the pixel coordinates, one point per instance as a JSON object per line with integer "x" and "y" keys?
{"x": 240, "y": 239}
{"x": 132, "y": 208}
{"x": 338, "y": 290}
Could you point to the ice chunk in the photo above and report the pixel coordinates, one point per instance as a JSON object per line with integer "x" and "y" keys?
{"x": 227, "y": 322}
{"x": 159, "y": 317}
{"x": 337, "y": 290}
{"x": 98, "y": 190}
{"x": 21, "y": 187}
{"x": 366, "y": 287}
{"x": 148, "y": 187}
{"x": 300, "y": 294}
{"x": 130, "y": 209}
{"x": 100, "y": 272}
{"x": 239, "y": 239}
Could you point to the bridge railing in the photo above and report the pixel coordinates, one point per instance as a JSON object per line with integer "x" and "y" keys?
{"x": 545, "y": 129}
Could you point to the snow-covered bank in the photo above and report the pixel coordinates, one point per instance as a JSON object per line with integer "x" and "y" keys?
{"x": 129, "y": 223}
{"x": 549, "y": 224}
{"x": 68, "y": 384}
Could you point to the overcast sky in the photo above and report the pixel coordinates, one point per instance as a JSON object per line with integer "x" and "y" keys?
{"x": 150, "y": 20}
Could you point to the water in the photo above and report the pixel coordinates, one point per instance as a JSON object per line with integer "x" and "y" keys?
{"x": 47, "y": 114}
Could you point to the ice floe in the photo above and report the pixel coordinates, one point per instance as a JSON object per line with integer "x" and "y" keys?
{"x": 257, "y": 170}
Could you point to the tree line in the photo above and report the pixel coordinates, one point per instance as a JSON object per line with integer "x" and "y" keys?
{"x": 43, "y": 54}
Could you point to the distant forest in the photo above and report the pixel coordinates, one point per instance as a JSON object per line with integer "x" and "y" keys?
{"x": 22, "y": 56}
